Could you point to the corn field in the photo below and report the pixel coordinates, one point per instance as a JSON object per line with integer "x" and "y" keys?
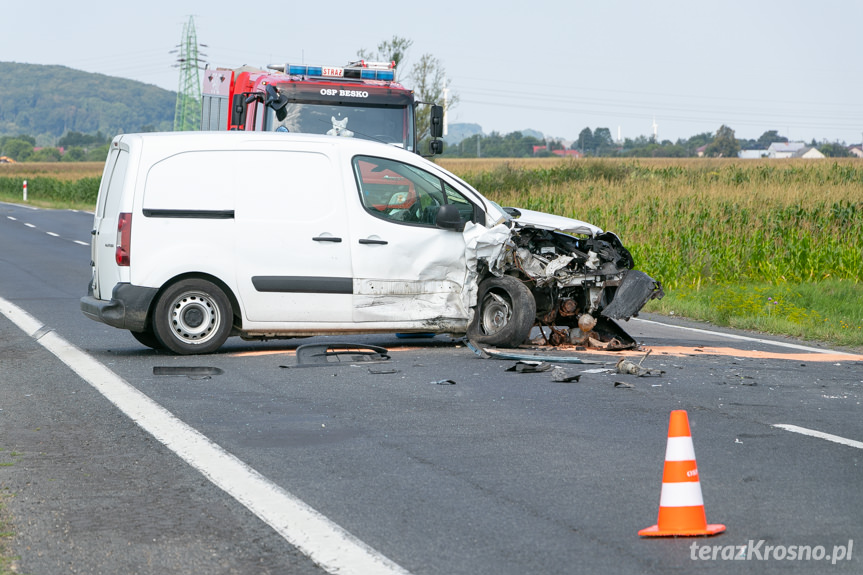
{"x": 696, "y": 222}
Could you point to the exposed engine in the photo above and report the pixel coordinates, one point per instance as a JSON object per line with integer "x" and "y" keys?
{"x": 580, "y": 284}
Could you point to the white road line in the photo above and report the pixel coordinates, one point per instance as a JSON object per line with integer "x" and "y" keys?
{"x": 79, "y": 242}
{"x": 53, "y": 234}
{"x": 13, "y": 218}
{"x": 324, "y": 542}
{"x": 820, "y": 435}
{"x": 29, "y": 225}
{"x": 746, "y": 338}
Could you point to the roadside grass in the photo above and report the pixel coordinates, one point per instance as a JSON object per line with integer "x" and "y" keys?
{"x": 829, "y": 311}
{"x": 7, "y": 559}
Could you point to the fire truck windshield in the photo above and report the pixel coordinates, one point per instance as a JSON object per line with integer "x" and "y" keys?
{"x": 387, "y": 124}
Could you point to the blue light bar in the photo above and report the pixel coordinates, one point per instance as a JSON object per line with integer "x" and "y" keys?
{"x": 337, "y": 72}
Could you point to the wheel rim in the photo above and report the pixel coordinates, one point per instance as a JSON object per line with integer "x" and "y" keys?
{"x": 496, "y": 313}
{"x": 195, "y": 318}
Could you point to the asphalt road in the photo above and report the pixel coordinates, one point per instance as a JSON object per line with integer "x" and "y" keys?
{"x": 240, "y": 462}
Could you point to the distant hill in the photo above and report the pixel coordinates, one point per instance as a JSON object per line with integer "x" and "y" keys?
{"x": 458, "y": 132}
{"x": 47, "y": 101}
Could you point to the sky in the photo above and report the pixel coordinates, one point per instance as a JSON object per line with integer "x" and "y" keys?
{"x": 557, "y": 66}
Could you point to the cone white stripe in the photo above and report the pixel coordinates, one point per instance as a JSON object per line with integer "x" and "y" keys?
{"x": 679, "y": 449}
{"x": 684, "y": 494}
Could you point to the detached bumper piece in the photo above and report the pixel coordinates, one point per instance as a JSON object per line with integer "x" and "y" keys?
{"x": 636, "y": 289}
{"x": 319, "y": 354}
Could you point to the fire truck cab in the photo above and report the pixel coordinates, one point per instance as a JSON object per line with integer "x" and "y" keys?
{"x": 360, "y": 100}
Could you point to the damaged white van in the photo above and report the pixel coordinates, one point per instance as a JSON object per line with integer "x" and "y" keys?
{"x": 199, "y": 236}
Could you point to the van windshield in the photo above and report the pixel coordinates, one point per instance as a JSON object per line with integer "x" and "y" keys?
{"x": 390, "y": 125}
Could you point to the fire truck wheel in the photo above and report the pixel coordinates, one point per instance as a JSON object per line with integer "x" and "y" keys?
{"x": 505, "y": 312}
{"x": 192, "y": 316}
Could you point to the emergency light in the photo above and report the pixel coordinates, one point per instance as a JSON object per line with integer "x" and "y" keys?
{"x": 357, "y": 71}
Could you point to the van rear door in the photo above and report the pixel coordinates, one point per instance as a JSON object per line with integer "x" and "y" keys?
{"x": 104, "y": 246}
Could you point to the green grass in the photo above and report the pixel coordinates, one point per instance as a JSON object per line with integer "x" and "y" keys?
{"x": 828, "y": 311}
{"x": 7, "y": 559}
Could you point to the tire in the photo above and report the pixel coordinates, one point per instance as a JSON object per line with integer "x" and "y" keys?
{"x": 192, "y": 316}
{"x": 147, "y": 338}
{"x": 505, "y": 312}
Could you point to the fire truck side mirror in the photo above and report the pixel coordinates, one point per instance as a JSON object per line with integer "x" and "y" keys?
{"x": 238, "y": 114}
{"x": 436, "y": 126}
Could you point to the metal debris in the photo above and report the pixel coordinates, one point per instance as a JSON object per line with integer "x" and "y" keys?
{"x": 627, "y": 367}
{"x": 489, "y": 353}
{"x": 188, "y": 371}
{"x": 563, "y": 375}
{"x": 530, "y": 367}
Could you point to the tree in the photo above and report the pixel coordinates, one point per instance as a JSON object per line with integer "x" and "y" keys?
{"x": 767, "y": 138}
{"x": 394, "y": 50}
{"x": 584, "y": 141}
{"x": 834, "y": 150}
{"x": 17, "y": 149}
{"x": 724, "y": 145}
{"x": 602, "y": 141}
{"x": 45, "y": 155}
{"x": 427, "y": 77}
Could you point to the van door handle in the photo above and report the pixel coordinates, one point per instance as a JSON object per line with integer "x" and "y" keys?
{"x": 327, "y": 239}
{"x": 374, "y": 242}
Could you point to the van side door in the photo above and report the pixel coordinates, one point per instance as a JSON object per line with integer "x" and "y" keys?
{"x": 293, "y": 253}
{"x": 406, "y": 269}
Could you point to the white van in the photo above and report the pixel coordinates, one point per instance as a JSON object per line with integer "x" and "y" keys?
{"x": 198, "y": 236}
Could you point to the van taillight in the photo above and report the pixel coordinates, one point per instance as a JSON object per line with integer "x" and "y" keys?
{"x": 124, "y": 239}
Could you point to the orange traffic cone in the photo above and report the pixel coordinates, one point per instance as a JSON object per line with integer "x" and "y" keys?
{"x": 681, "y": 507}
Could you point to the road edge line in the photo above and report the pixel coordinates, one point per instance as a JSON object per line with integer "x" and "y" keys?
{"x": 326, "y": 543}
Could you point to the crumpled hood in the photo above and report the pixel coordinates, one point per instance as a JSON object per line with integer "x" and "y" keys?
{"x": 552, "y": 222}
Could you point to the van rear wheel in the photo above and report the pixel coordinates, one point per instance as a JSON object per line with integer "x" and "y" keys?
{"x": 192, "y": 316}
{"x": 147, "y": 338}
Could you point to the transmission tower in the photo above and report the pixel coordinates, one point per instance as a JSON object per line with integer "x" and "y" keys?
{"x": 187, "y": 113}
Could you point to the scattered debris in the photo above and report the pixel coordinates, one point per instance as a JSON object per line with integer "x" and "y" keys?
{"x": 489, "y": 353}
{"x": 374, "y": 371}
{"x": 444, "y": 382}
{"x": 623, "y": 384}
{"x": 317, "y": 354}
{"x": 627, "y": 367}
{"x": 188, "y": 371}
{"x": 563, "y": 375}
{"x": 530, "y": 367}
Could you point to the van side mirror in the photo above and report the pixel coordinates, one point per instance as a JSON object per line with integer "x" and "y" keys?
{"x": 436, "y": 147}
{"x": 448, "y": 218}
{"x": 436, "y": 126}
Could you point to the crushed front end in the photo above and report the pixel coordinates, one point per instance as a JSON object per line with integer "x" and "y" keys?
{"x": 582, "y": 281}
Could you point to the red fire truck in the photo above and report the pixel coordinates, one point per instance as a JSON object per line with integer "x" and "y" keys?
{"x": 360, "y": 100}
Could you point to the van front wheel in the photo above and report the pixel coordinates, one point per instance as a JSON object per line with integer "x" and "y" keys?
{"x": 192, "y": 316}
{"x": 505, "y": 312}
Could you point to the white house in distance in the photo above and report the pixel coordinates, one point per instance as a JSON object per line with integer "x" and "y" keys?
{"x": 783, "y": 150}
{"x": 792, "y": 150}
